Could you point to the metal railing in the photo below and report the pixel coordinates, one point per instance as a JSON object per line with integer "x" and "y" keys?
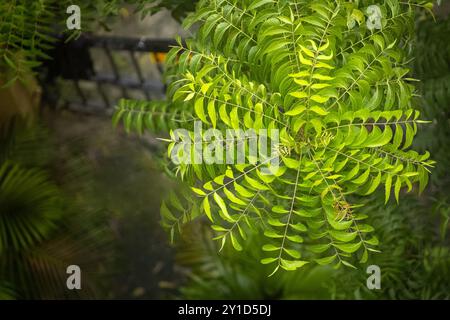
{"x": 74, "y": 64}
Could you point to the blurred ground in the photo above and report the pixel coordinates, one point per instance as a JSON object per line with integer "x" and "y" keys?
{"x": 121, "y": 178}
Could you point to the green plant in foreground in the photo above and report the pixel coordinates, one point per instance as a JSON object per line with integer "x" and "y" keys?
{"x": 335, "y": 88}
{"x": 414, "y": 258}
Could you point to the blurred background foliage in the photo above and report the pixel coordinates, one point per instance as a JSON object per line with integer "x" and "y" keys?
{"x": 75, "y": 191}
{"x": 42, "y": 228}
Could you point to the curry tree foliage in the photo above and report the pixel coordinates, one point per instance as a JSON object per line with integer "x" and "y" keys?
{"x": 338, "y": 92}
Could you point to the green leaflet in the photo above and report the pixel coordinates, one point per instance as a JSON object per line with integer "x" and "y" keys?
{"x": 243, "y": 191}
{"x": 299, "y": 94}
{"x": 207, "y": 208}
{"x": 272, "y": 234}
{"x": 325, "y": 260}
{"x": 348, "y": 248}
{"x": 319, "y": 110}
{"x": 232, "y": 197}
{"x": 212, "y": 113}
{"x": 255, "y": 184}
{"x": 235, "y": 242}
{"x": 292, "y": 265}
{"x": 374, "y": 183}
{"x": 318, "y": 248}
{"x": 275, "y": 222}
{"x": 362, "y": 178}
{"x": 296, "y": 110}
{"x": 268, "y": 260}
{"x": 343, "y": 236}
{"x": 222, "y": 206}
{"x": 270, "y": 247}
{"x": 397, "y": 186}
{"x": 293, "y": 253}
